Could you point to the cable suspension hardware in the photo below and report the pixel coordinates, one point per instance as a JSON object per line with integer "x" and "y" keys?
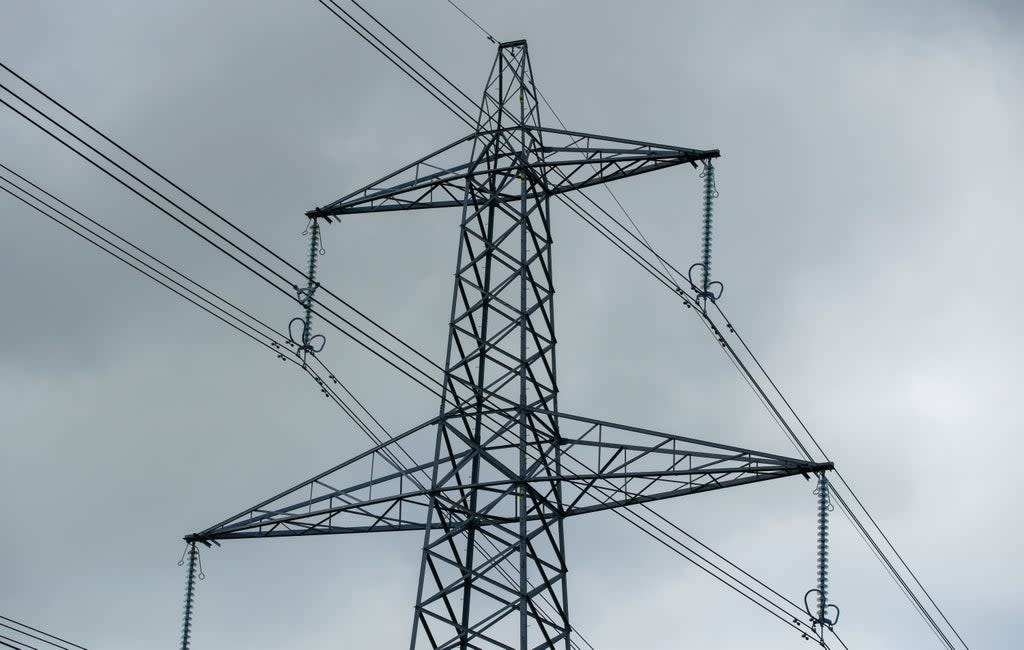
{"x": 706, "y": 288}
{"x": 308, "y": 343}
{"x": 192, "y": 553}
{"x": 825, "y": 614}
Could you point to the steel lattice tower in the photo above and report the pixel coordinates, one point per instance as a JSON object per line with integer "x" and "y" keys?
{"x": 508, "y": 467}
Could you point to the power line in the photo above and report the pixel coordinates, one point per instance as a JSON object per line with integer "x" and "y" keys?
{"x": 839, "y": 474}
{"x": 29, "y": 627}
{"x": 260, "y": 275}
{"x": 31, "y": 636}
{"x": 269, "y": 341}
{"x": 389, "y": 334}
{"x": 470, "y": 19}
{"x": 399, "y": 62}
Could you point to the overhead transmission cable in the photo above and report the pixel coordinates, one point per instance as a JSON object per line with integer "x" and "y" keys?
{"x": 486, "y": 33}
{"x": 386, "y": 332}
{"x": 50, "y": 639}
{"x": 170, "y": 277}
{"x": 396, "y": 360}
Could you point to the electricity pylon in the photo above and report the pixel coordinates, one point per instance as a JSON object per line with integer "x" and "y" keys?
{"x": 508, "y": 467}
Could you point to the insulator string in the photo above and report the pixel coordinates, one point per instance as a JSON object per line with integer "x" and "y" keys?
{"x": 309, "y": 343}
{"x": 192, "y": 555}
{"x": 825, "y": 615}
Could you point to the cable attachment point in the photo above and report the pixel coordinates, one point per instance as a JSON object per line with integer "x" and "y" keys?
{"x": 713, "y": 290}
{"x": 305, "y": 341}
{"x": 704, "y": 287}
{"x": 823, "y": 614}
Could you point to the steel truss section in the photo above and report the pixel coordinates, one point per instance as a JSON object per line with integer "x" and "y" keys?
{"x": 605, "y": 466}
{"x": 508, "y": 468}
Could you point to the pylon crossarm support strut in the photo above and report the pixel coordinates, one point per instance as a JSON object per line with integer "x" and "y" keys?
{"x": 582, "y": 161}
{"x": 606, "y": 466}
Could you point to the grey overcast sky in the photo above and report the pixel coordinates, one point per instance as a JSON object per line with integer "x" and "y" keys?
{"x": 868, "y": 237}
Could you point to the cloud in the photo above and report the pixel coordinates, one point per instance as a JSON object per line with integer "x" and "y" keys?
{"x": 866, "y": 235}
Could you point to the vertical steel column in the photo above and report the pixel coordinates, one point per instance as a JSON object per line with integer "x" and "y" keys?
{"x": 499, "y": 552}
